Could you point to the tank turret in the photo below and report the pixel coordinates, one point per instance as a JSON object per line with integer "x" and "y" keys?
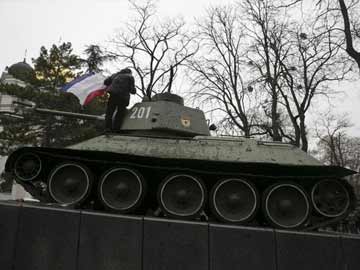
{"x": 165, "y": 115}
{"x": 163, "y": 162}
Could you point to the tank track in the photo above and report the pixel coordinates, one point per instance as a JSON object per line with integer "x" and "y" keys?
{"x": 155, "y": 172}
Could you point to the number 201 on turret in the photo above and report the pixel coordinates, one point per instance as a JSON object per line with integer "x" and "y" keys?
{"x": 140, "y": 112}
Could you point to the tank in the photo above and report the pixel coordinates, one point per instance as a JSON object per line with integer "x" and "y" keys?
{"x": 164, "y": 162}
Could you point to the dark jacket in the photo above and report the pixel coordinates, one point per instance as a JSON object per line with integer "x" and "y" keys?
{"x": 121, "y": 85}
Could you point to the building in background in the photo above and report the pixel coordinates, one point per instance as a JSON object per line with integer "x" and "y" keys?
{"x": 20, "y": 74}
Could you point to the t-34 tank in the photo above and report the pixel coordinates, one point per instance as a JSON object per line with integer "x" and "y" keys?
{"x": 164, "y": 162}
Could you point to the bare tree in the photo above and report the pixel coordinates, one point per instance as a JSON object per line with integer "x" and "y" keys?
{"x": 153, "y": 47}
{"x": 313, "y": 62}
{"x": 266, "y": 30}
{"x": 219, "y": 68}
{"x": 293, "y": 60}
{"x": 336, "y": 147}
{"x": 331, "y": 134}
{"x": 350, "y": 27}
{"x": 257, "y": 63}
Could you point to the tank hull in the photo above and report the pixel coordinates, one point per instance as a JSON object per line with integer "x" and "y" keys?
{"x": 241, "y": 156}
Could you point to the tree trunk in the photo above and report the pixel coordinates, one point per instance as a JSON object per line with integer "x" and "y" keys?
{"x": 304, "y": 140}
{"x": 348, "y": 35}
{"x": 275, "y": 119}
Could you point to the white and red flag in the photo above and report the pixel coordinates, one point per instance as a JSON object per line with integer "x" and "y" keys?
{"x": 86, "y": 87}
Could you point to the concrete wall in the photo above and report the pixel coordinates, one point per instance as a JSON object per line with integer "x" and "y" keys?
{"x": 37, "y": 237}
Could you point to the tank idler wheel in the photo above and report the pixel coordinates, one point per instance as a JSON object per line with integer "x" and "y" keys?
{"x": 70, "y": 183}
{"x": 121, "y": 189}
{"x": 330, "y": 198}
{"x": 27, "y": 167}
{"x": 234, "y": 200}
{"x": 182, "y": 196}
{"x": 286, "y": 205}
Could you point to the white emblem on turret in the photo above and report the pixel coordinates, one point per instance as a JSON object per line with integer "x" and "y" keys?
{"x": 185, "y": 121}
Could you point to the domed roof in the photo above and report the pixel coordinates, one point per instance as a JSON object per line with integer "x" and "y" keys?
{"x": 22, "y": 71}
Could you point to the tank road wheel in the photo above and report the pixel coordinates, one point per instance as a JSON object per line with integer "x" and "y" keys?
{"x": 27, "y": 167}
{"x": 70, "y": 183}
{"x": 330, "y": 198}
{"x": 234, "y": 200}
{"x": 121, "y": 189}
{"x": 286, "y": 205}
{"x": 182, "y": 196}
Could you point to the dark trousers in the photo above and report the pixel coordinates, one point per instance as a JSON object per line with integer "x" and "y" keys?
{"x": 115, "y": 103}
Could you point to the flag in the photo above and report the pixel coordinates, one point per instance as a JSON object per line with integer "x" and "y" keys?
{"x": 86, "y": 87}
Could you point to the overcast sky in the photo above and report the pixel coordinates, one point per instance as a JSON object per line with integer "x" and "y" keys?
{"x": 29, "y": 24}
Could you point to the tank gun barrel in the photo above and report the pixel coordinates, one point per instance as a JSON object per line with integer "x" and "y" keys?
{"x": 70, "y": 114}
{"x": 14, "y": 107}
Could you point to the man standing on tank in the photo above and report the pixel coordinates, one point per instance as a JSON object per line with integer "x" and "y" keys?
{"x": 120, "y": 86}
